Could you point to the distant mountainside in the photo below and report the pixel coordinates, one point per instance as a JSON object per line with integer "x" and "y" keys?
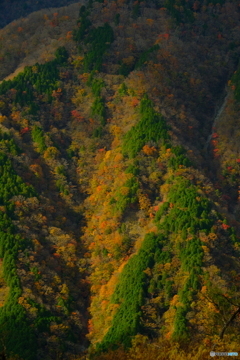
{"x": 11, "y": 10}
{"x": 120, "y": 181}
{"x": 35, "y": 38}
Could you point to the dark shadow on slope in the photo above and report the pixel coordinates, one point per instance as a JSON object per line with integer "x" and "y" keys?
{"x": 49, "y": 197}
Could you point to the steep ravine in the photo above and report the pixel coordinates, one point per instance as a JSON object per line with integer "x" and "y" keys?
{"x": 229, "y": 207}
{"x": 218, "y": 113}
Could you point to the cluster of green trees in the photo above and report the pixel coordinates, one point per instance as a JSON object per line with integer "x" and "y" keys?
{"x": 61, "y": 185}
{"x": 129, "y": 294}
{"x": 188, "y": 214}
{"x": 97, "y": 40}
{"x": 161, "y": 282}
{"x": 44, "y": 317}
{"x": 123, "y": 200}
{"x": 98, "y": 110}
{"x": 190, "y": 211}
{"x": 15, "y": 331}
{"x": 39, "y": 138}
{"x": 40, "y": 78}
{"x": 96, "y": 86}
{"x": 7, "y": 144}
{"x": 236, "y": 82}
{"x": 179, "y": 158}
{"x": 191, "y": 256}
{"x": 124, "y": 68}
{"x": 145, "y": 56}
{"x": 151, "y": 127}
{"x": 83, "y": 24}
{"x": 123, "y": 90}
{"x": 133, "y": 168}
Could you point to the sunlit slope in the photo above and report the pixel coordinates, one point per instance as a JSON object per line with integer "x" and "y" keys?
{"x": 35, "y": 38}
{"x": 124, "y": 234}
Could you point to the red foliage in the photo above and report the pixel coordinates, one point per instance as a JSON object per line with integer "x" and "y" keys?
{"x": 225, "y": 226}
{"x": 238, "y": 160}
{"x": 53, "y": 23}
{"x": 214, "y": 142}
{"x": 135, "y": 101}
{"x": 77, "y": 115}
{"x": 214, "y": 135}
{"x": 25, "y": 130}
{"x": 166, "y": 36}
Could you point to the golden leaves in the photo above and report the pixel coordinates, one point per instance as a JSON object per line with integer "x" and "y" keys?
{"x": 149, "y": 150}
{"x": 150, "y": 22}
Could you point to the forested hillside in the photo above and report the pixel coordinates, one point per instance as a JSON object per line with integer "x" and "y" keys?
{"x": 11, "y": 10}
{"x": 120, "y": 187}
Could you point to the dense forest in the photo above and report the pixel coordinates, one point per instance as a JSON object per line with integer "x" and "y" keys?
{"x": 11, "y": 10}
{"x": 120, "y": 181}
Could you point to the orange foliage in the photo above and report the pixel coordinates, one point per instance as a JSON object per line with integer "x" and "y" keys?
{"x": 135, "y": 102}
{"x": 149, "y": 150}
{"x": 225, "y": 226}
{"x": 150, "y": 22}
{"x": 69, "y": 35}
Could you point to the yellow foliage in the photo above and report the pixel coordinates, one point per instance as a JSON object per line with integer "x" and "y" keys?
{"x": 78, "y": 61}
{"x": 150, "y": 22}
{"x": 37, "y": 169}
{"x": 54, "y": 231}
{"x": 110, "y": 105}
{"x": 164, "y": 189}
{"x": 174, "y": 300}
{"x": 129, "y": 60}
{"x": 2, "y": 118}
{"x": 65, "y": 289}
{"x": 205, "y": 249}
{"x": 115, "y": 130}
{"x": 51, "y": 152}
{"x": 107, "y": 155}
{"x": 167, "y": 266}
{"x": 124, "y": 191}
{"x": 144, "y": 202}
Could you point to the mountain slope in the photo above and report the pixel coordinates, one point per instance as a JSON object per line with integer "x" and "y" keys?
{"x": 120, "y": 232}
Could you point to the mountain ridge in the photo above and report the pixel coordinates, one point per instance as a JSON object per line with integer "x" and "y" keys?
{"x": 127, "y": 232}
